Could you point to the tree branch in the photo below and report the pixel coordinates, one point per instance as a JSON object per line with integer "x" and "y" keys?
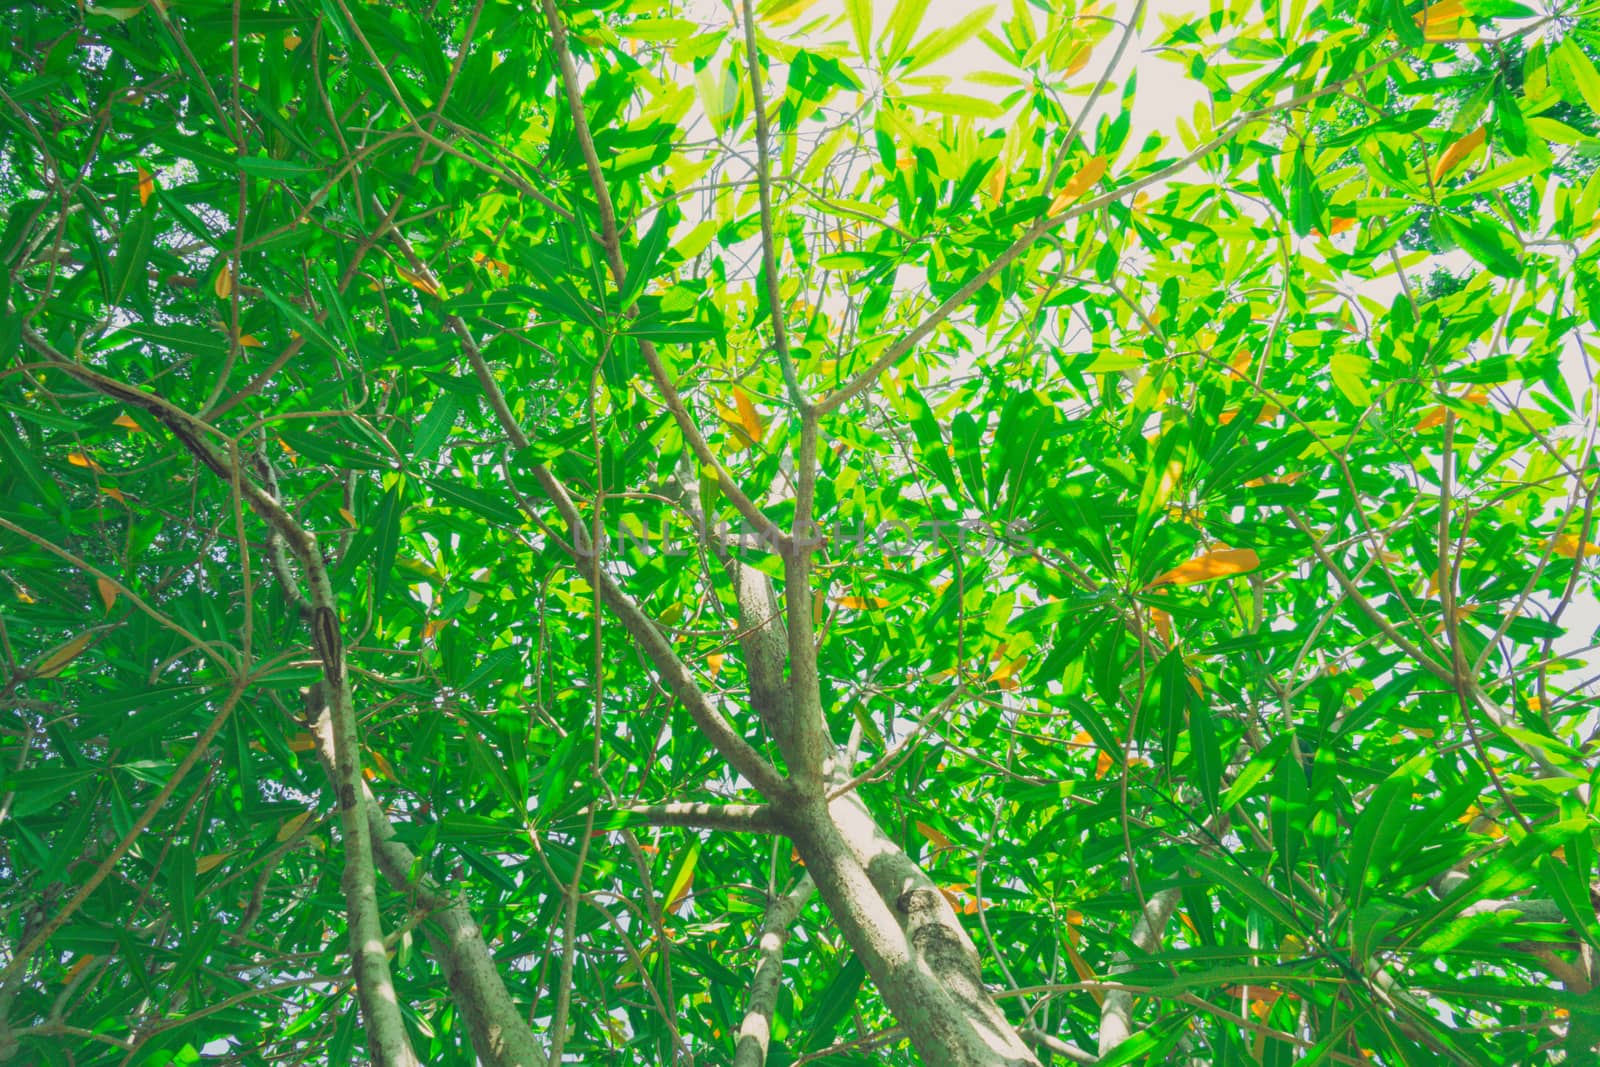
{"x": 612, "y": 249}
{"x": 756, "y": 1029}
{"x": 738, "y": 818}
{"x": 1116, "y": 1011}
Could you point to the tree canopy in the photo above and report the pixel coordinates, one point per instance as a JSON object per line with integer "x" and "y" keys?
{"x": 615, "y": 533}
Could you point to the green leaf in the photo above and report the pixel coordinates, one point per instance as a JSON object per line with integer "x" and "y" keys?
{"x": 903, "y": 23}
{"x": 940, "y": 43}
{"x": 1485, "y": 241}
{"x": 859, "y": 12}
{"x": 130, "y": 269}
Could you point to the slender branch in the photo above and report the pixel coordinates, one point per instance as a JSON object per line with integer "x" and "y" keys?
{"x": 1066, "y": 1050}
{"x": 677, "y": 676}
{"x": 1116, "y": 1012}
{"x": 756, "y": 1029}
{"x": 611, "y": 247}
{"x": 769, "y": 244}
{"x": 738, "y": 818}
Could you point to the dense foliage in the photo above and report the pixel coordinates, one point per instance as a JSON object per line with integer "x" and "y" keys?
{"x": 1186, "y": 540}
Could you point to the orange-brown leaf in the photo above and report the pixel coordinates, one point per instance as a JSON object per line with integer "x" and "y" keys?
{"x": 209, "y": 863}
{"x": 302, "y": 742}
{"x": 82, "y": 459}
{"x": 382, "y": 765}
{"x": 1161, "y": 622}
{"x": 1268, "y": 413}
{"x": 223, "y": 286}
{"x": 292, "y": 826}
{"x": 936, "y": 838}
{"x": 107, "y": 590}
{"x": 1078, "y": 184}
{"x": 749, "y": 419}
{"x": 1572, "y": 547}
{"x": 1085, "y": 973}
{"x": 1221, "y": 563}
{"x": 418, "y": 282}
{"x": 1456, "y": 153}
{"x": 63, "y": 655}
{"x": 147, "y": 186}
{"x": 77, "y": 967}
{"x": 863, "y": 603}
{"x": 127, "y": 423}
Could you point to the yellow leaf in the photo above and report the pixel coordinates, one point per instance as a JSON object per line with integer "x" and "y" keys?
{"x": 997, "y": 182}
{"x": 114, "y": 493}
{"x": 1221, "y": 563}
{"x": 1079, "y": 59}
{"x": 127, "y": 423}
{"x": 209, "y": 863}
{"x": 348, "y": 516}
{"x": 249, "y": 340}
{"x": 417, "y": 281}
{"x": 1456, "y": 153}
{"x": 714, "y": 661}
{"x": 749, "y": 418}
{"x": 935, "y": 838}
{"x": 108, "y": 591}
{"x": 292, "y": 826}
{"x": 788, "y": 11}
{"x": 1078, "y": 184}
{"x": 1444, "y": 21}
{"x": 302, "y": 742}
{"x": 291, "y": 41}
{"x": 80, "y": 459}
{"x": 1569, "y": 546}
{"x": 224, "y": 283}
{"x": 433, "y": 626}
{"x": 51, "y": 665}
{"x": 1005, "y": 674}
{"x": 147, "y": 186}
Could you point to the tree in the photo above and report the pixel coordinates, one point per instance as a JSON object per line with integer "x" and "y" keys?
{"x": 565, "y": 532}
